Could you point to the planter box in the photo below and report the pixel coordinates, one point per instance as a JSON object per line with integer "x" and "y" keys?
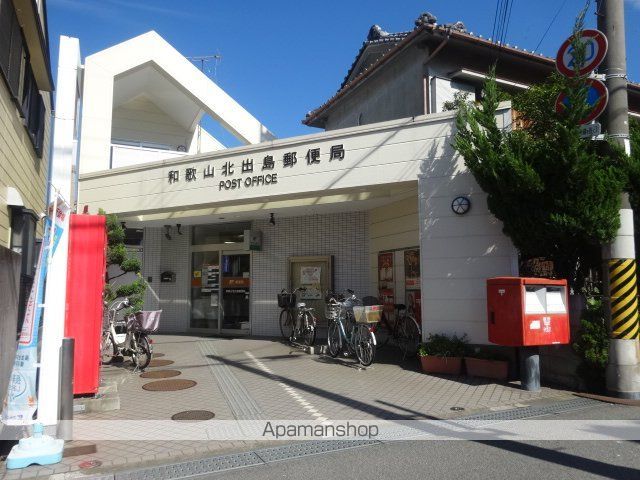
{"x": 480, "y": 367}
{"x": 446, "y": 365}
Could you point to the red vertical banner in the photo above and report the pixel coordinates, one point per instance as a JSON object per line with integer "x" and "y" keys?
{"x": 385, "y": 281}
{"x": 412, "y": 283}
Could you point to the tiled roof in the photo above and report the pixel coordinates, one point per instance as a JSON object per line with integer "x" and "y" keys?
{"x": 384, "y": 38}
{"x": 397, "y": 41}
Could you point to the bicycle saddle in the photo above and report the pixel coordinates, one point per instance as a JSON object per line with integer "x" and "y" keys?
{"x": 400, "y": 306}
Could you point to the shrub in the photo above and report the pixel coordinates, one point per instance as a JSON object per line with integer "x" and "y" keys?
{"x": 442, "y": 345}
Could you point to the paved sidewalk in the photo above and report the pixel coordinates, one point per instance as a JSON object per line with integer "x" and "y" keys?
{"x": 257, "y": 379}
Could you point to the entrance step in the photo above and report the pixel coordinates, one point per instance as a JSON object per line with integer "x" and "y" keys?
{"x": 107, "y": 399}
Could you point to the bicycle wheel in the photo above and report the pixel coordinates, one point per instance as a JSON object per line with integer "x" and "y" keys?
{"x": 309, "y": 329}
{"x": 409, "y": 337}
{"x": 108, "y": 350}
{"x": 142, "y": 354}
{"x": 365, "y": 345}
{"x": 333, "y": 339}
{"x": 383, "y": 331}
{"x": 286, "y": 324}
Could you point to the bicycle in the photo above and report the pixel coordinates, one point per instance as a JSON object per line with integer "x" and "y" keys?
{"x": 405, "y": 331}
{"x": 134, "y": 341}
{"x": 345, "y": 331}
{"x": 304, "y": 326}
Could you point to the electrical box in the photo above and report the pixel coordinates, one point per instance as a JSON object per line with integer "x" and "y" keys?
{"x": 527, "y": 311}
{"x": 85, "y": 284}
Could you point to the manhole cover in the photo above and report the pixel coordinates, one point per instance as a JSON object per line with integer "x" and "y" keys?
{"x": 158, "y": 355}
{"x": 161, "y": 374}
{"x": 160, "y": 363}
{"x": 194, "y": 415}
{"x": 88, "y": 464}
{"x": 168, "y": 385}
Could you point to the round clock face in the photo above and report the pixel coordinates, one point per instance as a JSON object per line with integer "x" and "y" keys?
{"x": 460, "y": 205}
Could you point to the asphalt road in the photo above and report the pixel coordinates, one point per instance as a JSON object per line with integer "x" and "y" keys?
{"x": 470, "y": 459}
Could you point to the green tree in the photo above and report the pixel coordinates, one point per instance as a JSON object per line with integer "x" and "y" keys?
{"x": 118, "y": 256}
{"x": 556, "y": 194}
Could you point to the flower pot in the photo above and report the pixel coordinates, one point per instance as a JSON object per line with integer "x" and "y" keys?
{"x": 446, "y": 365}
{"x": 480, "y": 367}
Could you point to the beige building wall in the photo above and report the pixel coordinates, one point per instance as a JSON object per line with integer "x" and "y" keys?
{"x": 140, "y": 120}
{"x": 393, "y": 227}
{"x": 20, "y": 167}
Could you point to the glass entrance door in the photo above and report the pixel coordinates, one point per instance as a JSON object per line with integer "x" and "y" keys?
{"x": 205, "y": 290}
{"x": 236, "y": 291}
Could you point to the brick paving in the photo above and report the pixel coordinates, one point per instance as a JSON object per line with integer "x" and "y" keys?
{"x": 265, "y": 379}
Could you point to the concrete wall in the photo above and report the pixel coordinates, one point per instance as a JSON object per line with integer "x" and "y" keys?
{"x": 458, "y": 252}
{"x": 20, "y": 167}
{"x": 140, "y": 120}
{"x": 393, "y": 92}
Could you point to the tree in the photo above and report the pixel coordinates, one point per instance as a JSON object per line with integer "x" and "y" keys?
{"x": 122, "y": 263}
{"x": 557, "y": 195}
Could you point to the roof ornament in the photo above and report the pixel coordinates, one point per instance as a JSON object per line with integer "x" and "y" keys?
{"x": 426, "y": 18}
{"x": 376, "y": 33}
{"x": 459, "y": 26}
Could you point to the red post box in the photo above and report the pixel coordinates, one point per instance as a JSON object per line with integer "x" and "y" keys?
{"x": 527, "y": 311}
{"x": 85, "y": 283}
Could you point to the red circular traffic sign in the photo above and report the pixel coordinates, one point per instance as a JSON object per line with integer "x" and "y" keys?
{"x": 596, "y": 48}
{"x": 597, "y": 98}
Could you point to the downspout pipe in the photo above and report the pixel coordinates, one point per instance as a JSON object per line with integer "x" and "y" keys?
{"x": 425, "y": 76}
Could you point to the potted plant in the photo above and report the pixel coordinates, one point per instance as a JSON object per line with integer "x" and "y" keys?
{"x": 484, "y": 363}
{"x": 442, "y": 354}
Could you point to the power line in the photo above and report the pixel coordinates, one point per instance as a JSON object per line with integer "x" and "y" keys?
{"x": 550, "y": 24}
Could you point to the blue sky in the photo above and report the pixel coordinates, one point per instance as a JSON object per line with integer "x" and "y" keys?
{"x": 282, "y": 58}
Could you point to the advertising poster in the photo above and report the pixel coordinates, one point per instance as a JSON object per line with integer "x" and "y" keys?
{"x": 412, "y": 269}
{"x": 21, "y": 401}
{"x": 385, "y": 281}
{"x": 311, "y": 278}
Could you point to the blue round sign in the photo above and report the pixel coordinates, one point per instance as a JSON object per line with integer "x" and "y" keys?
{"x": 597, "y": 99}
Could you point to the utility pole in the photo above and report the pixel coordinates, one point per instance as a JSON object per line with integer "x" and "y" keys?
{"x": 619, "y": 258}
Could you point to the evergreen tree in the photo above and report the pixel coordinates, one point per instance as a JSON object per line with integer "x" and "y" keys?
{"x": 557, "y": 194}
{"x": 118, "y": 256}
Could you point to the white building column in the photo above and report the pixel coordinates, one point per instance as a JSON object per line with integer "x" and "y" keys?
{"x": 62, "y": 162}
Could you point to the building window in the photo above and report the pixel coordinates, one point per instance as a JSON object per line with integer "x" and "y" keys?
{"x": 15, "y": 68}
{"x": 23, "y": 241}
{"x": 219, "y": 233}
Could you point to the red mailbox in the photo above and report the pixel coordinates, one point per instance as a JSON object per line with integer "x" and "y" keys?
{"x": 527, "y": 311}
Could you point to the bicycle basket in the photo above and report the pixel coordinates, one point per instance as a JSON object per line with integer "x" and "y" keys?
{"x": 332, "y": 311}
{"x": 370, "y": 314}
{"x": 145, "y": 321}
{"x": 286, "y": 300}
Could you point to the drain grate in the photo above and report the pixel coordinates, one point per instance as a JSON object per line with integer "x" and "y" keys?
{"x": 240, "y": 460}
{"x": 193, "y": 468}
{"x": 533, "y": 411}
{"x": 160, "y": 363}
{"x": 169, "y": 385}
{"x": 276, "y": 454}
{"x": 194, "y": 415}
{"x": 160, "y": 374}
